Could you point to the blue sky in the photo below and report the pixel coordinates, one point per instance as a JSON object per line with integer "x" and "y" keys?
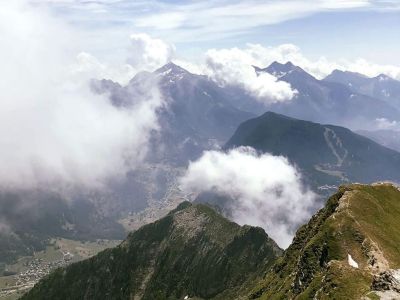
{"x": 333, "y": 28}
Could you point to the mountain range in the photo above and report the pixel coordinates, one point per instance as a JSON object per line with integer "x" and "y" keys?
{"x": 380, "y": 87}
{"x": 348, "y": 250}
{"x": 327, "y": 101}
{"x": 200, "y": 115}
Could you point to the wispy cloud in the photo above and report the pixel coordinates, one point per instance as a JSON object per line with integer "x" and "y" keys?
{"x": 203, "y": 20}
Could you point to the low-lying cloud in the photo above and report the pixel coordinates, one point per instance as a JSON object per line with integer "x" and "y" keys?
{"x": 235, "y": 67}
{"x": 52, "y": 127}
{"x": 267, "y": 190}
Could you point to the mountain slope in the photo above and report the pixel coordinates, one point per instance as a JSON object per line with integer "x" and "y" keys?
{"x": 192, "y": 251}
{"x": 326, "y": 154}
{"x": 386, "y": 137}
{"x": 198, "y": 114}
{"x": 380, "y": 87}
{"x": 348, "y": 250}
{"x": 327, "y": 102}
{"x": 28, "y": 219}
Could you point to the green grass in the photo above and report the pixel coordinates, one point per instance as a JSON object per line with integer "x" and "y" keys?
{"x": 318, "y": 256}
{"x": 192, "y": 251}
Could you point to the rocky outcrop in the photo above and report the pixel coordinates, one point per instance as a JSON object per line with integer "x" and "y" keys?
{"x": 387, "y": 281}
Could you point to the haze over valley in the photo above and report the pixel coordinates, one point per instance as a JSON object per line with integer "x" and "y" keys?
{"x": 199, "y": 150}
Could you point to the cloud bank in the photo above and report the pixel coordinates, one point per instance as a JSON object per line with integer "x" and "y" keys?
{"x": 235, "y": 67}
{"x": 267, "y": 190}
{"x": 53, "y": 128}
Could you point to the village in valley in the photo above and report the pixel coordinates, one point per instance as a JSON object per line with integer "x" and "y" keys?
{"x": 27, "y": 271}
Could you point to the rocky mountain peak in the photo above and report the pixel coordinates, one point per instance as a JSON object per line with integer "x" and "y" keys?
{"x": 280, "y": 70}
{"x": 170, "y": 70}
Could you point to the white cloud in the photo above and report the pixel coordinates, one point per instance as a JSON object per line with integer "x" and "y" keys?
{"x": 90, "y": 67}
{"x": 235, "y": 67}
{"x": 383, "y": 123}
{"x": 52, "y": 127}
{"x": 192, "y": 67}
{"x": 148, "y": 53}
{"x": 144, "y": 54}
{"x": 207, "y": 20}
{"x": 261, "y": 56}
{"x": 371, "y": 69}
{"x": 267, "y": 190}
{"x": 218, "y": 19}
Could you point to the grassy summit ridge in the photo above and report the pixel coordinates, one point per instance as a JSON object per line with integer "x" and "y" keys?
{"x": 360, "y": 224}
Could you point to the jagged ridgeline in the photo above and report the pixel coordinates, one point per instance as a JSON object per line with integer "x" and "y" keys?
{"x": 348, "y": 250}
{"x": 193, "y": 252}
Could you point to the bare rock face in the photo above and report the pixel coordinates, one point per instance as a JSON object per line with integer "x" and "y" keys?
{"x": 387, "y": 281}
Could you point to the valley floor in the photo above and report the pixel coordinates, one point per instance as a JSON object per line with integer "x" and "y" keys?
{"x": 60, "y": 252}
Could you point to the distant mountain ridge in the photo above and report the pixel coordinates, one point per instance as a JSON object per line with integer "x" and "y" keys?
{"x": 327, "y": 101}
{"x": 326, "y": 154}
{"x": 386, "y": 137}
{"x": 380, "y": 87}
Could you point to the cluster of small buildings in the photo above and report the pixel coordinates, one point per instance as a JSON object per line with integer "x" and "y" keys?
{"x": 37, "y": 268}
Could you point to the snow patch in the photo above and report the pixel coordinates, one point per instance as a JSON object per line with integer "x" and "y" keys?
{"x": 352, "y": 262}
{"x": 166, "y": 72}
